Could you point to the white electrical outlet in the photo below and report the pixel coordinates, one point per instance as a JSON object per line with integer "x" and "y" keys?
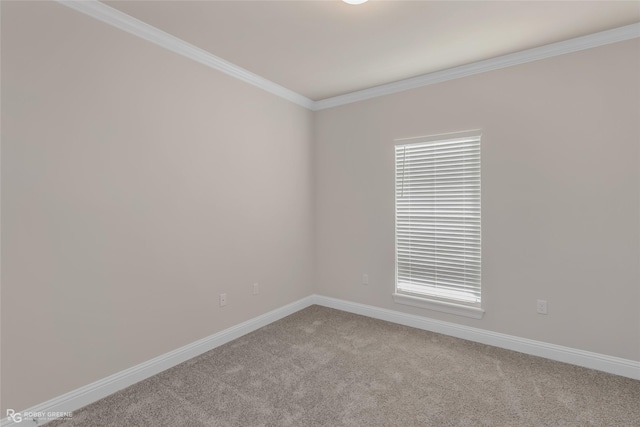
{"x": 542, "y": 306}
{"x": 365, "y": 279}
{"x": 223, "y": 300}
{"x": 256, "y": 288}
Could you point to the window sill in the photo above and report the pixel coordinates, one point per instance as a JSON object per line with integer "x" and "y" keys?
{"x": 445, "y": 307}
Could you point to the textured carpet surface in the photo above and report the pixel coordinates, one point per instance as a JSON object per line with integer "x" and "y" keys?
{"x": 323, "y": 367}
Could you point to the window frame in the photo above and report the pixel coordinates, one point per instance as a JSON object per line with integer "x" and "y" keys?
{"x": 425, "y": 300}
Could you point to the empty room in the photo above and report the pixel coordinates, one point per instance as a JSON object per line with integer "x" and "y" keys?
{"x": 320, "y": 213}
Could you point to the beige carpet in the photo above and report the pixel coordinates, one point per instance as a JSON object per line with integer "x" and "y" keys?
{"x": 323, "y": 367}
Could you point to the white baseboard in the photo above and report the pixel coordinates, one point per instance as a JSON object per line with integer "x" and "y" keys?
{"x": 83, "y": 396}
{"x": 613, "y": 365}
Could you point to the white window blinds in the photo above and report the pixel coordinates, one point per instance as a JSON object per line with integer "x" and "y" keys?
{"x": 438, "y": 217}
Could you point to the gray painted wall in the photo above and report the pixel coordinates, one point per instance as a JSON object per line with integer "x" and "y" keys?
{"x": 560, "y": 195}
{"x": 137, "y": 186}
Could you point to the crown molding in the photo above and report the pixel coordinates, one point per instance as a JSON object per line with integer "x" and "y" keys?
{"x": 543, "y": 52}
{"x": 122, "y": 21}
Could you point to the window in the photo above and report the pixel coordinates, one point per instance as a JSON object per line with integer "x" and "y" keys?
{"x": 438, "y": 223}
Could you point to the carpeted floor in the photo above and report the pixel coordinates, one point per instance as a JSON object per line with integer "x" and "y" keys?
{"x": 323, "y": 367}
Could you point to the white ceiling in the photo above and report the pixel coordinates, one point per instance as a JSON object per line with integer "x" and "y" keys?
{"x": 326, "y": 48}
